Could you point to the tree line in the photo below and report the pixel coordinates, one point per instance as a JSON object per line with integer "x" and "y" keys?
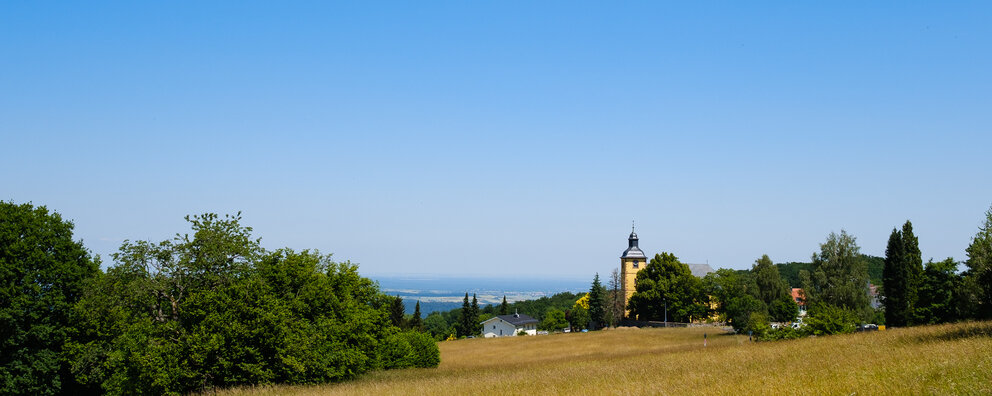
{"x": 205, "y": 309}
{"x": 836, "y": 288}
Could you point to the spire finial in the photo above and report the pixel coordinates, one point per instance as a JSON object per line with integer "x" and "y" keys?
{"x": 632, "y": 226}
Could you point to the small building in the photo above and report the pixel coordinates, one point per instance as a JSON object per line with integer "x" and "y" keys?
{"x": 800, "y": 298}
{"x": 509, "y": 325}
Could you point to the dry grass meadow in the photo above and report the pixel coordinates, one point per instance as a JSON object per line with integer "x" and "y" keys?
{"x": 945, "y": 359}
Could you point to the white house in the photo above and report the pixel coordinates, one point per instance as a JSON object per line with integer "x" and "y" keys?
{"x": 509, "y": 325}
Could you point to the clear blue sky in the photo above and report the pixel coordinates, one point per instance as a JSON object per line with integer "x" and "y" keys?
{"x": 504, "y": 138}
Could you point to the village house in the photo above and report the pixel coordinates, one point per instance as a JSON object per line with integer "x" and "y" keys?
{"x": 509, "y": 325}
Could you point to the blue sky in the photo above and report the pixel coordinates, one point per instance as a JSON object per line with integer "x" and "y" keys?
{"x": 509, "y": 138}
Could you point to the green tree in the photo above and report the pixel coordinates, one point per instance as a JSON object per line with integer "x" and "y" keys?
{"x": 416, "y": 322}
{"x": 902, "y": 275}
{"x": 42, "y": 273}
{"x": 979, "y": 273}
{"x": 771, "y": 286}
{"x": 214, "y": 310}
{"x": 397, "y": 312}
{"x": 554, "y": 320}
{"x": 894, "y": 281}
{"x": 784, "y": 309}
{"x": 435, "y": 324}
{"x": 667, "y": 285}
{"x": 597, "y": 304}
{"x": 464, "y": 319}
{"x": 475, "y": 326}
{"x": 504, "y": 308}
{"x": 839, "y": 277}
{"x": 937, "y": 302}
{"x": 578, "y": 317}
{"x": 734, "y": 294}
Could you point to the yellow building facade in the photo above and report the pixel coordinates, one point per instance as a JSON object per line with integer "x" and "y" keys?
{"x": 631, "y": 261}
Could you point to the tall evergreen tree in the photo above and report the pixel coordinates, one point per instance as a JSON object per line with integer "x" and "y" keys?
{"x": 464, "y": 322}
{"x": 474, "y": 326}
{"x": 913, "y": 262}
{"x": 902, "y": 276}
{"x": 416, "y": 322}
{"x": 597, "y": 303}
{"x": 894, "y": 281}
{"x": 504, "y": 308}
{"x": 397, "y": 312}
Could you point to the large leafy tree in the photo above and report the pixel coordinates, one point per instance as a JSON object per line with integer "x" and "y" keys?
{"x": 666, "y": 285}
{"x": 214, "y": 309}
{"x": 597, "y": 304}
{"x": 774, "y": 291}
{"x": 839, "y": 277}
{"x": 770, "y": 284}
{"x": 979, "y": 273}
{"x": 42, "y": 273}
{"x": 937, "y": 292}
{"x": 554, "y": 320}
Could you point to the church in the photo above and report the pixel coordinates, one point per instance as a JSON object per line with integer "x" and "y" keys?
{"x": 633, "y": 259}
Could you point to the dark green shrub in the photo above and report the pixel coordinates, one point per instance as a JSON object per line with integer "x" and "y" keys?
{"x": 829, "y": 319}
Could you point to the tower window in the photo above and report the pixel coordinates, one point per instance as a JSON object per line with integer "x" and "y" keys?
{"x": 635, "y": 263}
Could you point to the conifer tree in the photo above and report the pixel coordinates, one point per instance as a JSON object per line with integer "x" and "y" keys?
{"x": 597, "y": 312}
{"x": 913, "y": 262}
{"x": 464, "y": 322}
{"x": 901, "y": 276}
{"x": 504, "y": 308}
{"x": 396, "y": 312}
{"x": 416, "y": 322}
{"x": 474, "y": 319}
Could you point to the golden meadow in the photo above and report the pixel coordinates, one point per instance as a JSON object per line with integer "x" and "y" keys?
{"x": 942, "y": 359}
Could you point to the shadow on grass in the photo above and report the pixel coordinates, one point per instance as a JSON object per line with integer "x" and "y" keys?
{"x": 965, "y": 331}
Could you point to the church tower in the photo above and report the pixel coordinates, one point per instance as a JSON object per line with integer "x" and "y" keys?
{"x": 631, "y": 261}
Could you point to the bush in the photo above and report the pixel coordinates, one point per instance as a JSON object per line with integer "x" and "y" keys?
{"x": 784, "y": 333}
{"x": 757, "y": 324}
{"x": 829, "y": 319}
{"x": 424, "y": 348}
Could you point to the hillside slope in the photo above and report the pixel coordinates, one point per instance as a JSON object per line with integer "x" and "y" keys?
{"x": 946, "y": 359}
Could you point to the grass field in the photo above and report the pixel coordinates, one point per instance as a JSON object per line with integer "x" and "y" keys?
{"x": 946, "y": 359}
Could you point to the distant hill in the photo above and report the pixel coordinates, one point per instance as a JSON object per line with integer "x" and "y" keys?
{"x": 790, "y": 270}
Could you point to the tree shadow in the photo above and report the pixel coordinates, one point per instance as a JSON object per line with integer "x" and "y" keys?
{"x": 964, "y": 331}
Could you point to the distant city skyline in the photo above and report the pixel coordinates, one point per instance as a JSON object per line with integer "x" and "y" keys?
{"x": 504, "y": 139}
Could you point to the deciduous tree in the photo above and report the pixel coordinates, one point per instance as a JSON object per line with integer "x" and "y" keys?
{"x": 42, "y": 273}
{"x": 839, "y": 277}
{"x": 666, "y": 282}
{"x": 979, "y": 265}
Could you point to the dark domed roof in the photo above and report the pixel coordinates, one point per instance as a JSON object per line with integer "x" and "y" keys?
{"x": 632, "y": 250}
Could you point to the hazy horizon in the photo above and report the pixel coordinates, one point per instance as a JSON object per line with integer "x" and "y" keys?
{"x": 504, "y": 138}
